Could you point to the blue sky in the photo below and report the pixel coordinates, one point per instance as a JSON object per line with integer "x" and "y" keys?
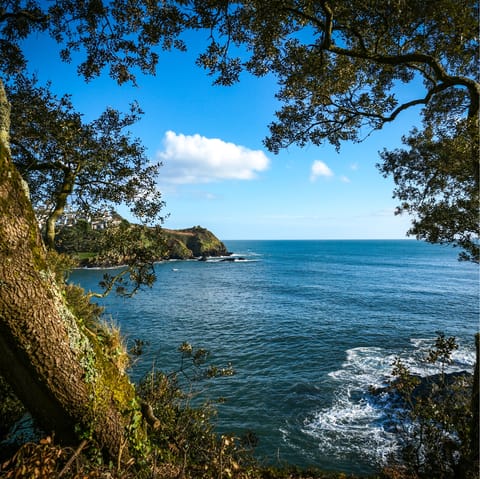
{"x": 218, "y": 174}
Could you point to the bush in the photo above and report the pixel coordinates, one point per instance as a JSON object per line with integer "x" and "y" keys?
{"x": 434, "y": 419}
{"x": 184, "y": 434}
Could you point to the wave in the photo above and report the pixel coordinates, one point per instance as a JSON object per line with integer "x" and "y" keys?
{"x": 233, "y": 258}
{"x": 463, "y": 358}
{"x": 99, "y": 268}
{"x": 357, "y": 423}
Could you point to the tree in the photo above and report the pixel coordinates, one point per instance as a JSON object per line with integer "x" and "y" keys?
{"x": 340, "y": 65}
{"x": 87, "y": 166}
{"x": 56, "y": 366}
{"x": 59, "y": 369}
{"x": 79, "y": 237}
{"x": 437, "y": 182}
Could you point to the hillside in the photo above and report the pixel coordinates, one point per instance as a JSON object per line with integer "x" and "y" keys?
{"x": 106, "y": 247}
{"x": 193, "y": 242}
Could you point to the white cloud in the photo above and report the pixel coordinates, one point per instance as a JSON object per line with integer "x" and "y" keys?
{"x": 319, "y": 168}
{"x": 345, "y": 179}
{"x": 197, "y": 159}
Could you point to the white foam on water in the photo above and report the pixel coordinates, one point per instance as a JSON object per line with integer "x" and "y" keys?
{"x": 352, "y": 425}
{"x": 230, "y": 259}
{"x": 462, "y": 359}
{"x": 350, "y": 429}
{"x": 356, "y": 425}
{"x": 249, "y": 252}
{"x": 365, "y": 367}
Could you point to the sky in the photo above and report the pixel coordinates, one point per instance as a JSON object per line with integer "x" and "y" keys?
{"x": 216, "y": 171}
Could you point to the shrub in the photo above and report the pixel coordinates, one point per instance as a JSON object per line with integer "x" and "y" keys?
{"x": 434, "y": 419}
{"x": 184, "y": 434}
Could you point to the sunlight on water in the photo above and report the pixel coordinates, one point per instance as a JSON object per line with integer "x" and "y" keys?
{"x": 309, "y": 326}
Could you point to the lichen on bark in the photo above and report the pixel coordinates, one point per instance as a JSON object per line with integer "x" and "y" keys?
{"x": 56, "y": 367}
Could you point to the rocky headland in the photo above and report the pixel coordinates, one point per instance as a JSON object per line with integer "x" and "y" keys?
{"x": 196, "y": 242}
{"x": 126, "y": 243}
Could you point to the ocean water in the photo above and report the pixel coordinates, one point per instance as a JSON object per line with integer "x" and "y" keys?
{"x": 308, "y": 326}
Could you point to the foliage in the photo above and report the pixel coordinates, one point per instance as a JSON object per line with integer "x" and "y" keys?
{"x": 47, "y": 459}
{"x": 341, "y": 66}
{"x": 193, "y": 242}
{"x": 135, "y": 248}
{"x": 60, "y": 265}
{"x": 117, "y": 34}
{"x": 435, "y": 419}
{"x": 79, "y": 237}
{"x": 182, "y": 433}
{"x": 185, "y": 433}
{"x": 129, "y": 248}
{"x": 96, "y": 245}
{"x": 437, "y": 183}
{"x": 88, "y": 166}
{"x": 32, "y": 460}
{"x": 78, "y": 302}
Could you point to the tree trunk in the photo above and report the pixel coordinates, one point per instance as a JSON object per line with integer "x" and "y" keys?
{"x": 475, "y": 447}
{"x": 60, "y": 203}
{"x": 55, "y": 366}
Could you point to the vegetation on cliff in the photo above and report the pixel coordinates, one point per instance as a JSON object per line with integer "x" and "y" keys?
{"x": 103, "y": 247}
{"x": 193, "y": 242}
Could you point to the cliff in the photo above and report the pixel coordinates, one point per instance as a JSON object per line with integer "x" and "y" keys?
{"x": 193, "y": 242}
{"x": 110, "y": 246}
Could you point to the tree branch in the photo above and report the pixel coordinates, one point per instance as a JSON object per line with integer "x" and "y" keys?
{"x": 111, "y": 284}
{"x": 28, "y": 14}
{"x": 403, "y": 106}
{"x": 149, "y": 415}
{"x": 327, "y": 33}
{"x": 408, "y": 59}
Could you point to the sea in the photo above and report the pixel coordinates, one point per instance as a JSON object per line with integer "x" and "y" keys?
{"x": 309, "y": 327}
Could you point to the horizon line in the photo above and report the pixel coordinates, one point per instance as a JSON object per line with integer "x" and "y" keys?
{"x": 322, "y": 239}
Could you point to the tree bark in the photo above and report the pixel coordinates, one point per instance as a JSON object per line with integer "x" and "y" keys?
{"x": 60, "y": 203}
{"x": 56, "y": 367}
{"x": 474, "y": 438}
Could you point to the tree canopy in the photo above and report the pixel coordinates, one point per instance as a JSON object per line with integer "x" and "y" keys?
{"x": 118, "y": 35}
{"x": 437, "y": 180}
{"x": 339, "y": 67}
{"x": 87, "y": 166}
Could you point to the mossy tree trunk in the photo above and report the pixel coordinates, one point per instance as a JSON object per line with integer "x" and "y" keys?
{"x": 475, "y": 447}
{"x": 55, "y": 366}
{"x": 66, "y": 189}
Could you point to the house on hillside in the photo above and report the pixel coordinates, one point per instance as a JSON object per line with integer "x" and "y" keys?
{"x": 71, "y": 217}
{"x": 105, "y": 220}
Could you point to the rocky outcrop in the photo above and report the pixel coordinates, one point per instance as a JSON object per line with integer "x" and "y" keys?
{"x": 435, "y": 387}
{"x": 196, "y": 242}
{"x": 111, "y": 246}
